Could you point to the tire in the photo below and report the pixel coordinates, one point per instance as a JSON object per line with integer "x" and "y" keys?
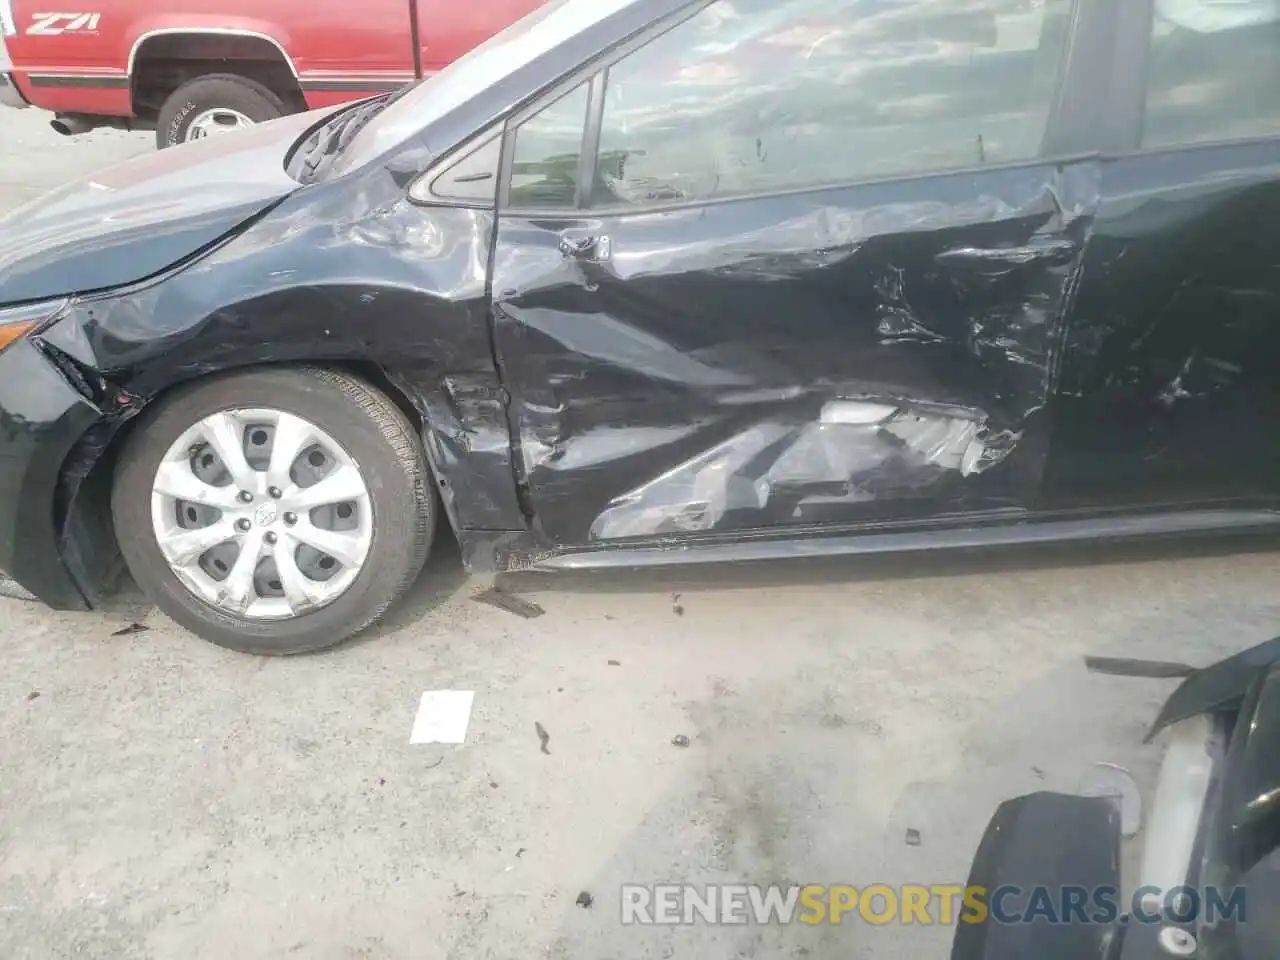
{"x": 378, "y": 440}
{"x": 223, "y": 91}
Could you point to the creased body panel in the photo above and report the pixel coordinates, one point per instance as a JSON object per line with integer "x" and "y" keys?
{"x": 868, "y": 353}
{"x": 351, "y": 273}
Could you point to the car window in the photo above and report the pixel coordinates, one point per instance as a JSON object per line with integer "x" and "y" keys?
{"x": 759, "y": 95}
{"x": 1213, "y": 72}
{"x": 499, "y": 57}
{"x": 472, "y": 180}
{"x": 548, "y": 147}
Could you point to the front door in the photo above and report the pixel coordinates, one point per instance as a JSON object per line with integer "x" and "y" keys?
{"x": 792, "y": 264}
{"x": 1170, "y": 387}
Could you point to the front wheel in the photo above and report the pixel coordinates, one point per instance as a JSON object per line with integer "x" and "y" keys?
{"x": 215, "y": 104}
{"x": 274, "y": 512}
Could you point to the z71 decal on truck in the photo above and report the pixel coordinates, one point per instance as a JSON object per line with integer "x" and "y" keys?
{"x": 56, "y": 24}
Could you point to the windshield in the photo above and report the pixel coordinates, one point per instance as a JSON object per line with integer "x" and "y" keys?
{"x": 498, "y": 57}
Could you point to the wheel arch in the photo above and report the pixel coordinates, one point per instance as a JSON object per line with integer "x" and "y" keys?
{"x": 163, "y": 58}
{"x": 82, "y": 497}
{"x": 206, "y": 31}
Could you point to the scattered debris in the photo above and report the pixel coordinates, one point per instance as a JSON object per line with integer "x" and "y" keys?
{"x": 615, "y": 663}
{"x": 543, "y": 737}
{"x": 585, "y": 900}
{"x": 520, "y": 852}
{"x": 679, "y": 740}
{"x": 1151, "y": 669}
{"x": 33, "y": 694}
{"x": 493, "y": 784}
{"x": 676, "y": 605}
{"x": 131, "y": 628}
{"x": 913, "y": 837}
{"x": 443, "y": 717}
{"x": 382, "y": 781}
{"x": 509, "y": 602}
{"x": 432, "y": 766}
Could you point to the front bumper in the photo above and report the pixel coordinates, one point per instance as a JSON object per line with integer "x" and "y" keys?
{"x": 41, "y": 419}
{"x": 10, "y": 95}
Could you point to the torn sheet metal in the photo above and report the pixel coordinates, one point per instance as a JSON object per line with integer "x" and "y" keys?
{"x": 859, "y": 450}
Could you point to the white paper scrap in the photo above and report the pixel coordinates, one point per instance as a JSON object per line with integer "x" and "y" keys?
{"x": 443, "y": 716}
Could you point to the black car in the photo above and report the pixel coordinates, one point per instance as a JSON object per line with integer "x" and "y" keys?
{"x": 658, "y": 281}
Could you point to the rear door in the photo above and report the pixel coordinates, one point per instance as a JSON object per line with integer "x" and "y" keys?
{"x": 801, "y": 264}
{"x": 1170, "y": 388}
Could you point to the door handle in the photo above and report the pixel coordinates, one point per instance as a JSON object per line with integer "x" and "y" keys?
{"x": 594, "y": 248}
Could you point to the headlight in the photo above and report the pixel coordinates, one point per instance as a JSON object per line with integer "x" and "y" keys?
{"x": 17, "y": 322}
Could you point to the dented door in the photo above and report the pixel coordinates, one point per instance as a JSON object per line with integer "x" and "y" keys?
{"x": 681, "y": 363}
{"x": 866, "y": 354}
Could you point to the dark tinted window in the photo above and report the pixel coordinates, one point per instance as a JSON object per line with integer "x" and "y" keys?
{"x": 471, "y": 180}
{"x": 544, "y": 166}
{"x": 1214, "y": 72}
{"x": 761, "y": 95}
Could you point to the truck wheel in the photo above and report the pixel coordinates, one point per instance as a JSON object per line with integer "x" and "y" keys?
{"x": 214, "y": 104}
{"x": 274, "y": 511}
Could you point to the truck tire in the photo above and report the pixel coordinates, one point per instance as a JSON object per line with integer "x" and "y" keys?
{"x": 216, "y": 101}
{"x": 313, "y": 575}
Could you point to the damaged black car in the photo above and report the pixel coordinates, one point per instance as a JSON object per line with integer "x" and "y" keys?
{"x": 656, "y": 281}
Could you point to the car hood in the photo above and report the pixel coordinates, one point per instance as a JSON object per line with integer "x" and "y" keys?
{"x": 135, "y": 219}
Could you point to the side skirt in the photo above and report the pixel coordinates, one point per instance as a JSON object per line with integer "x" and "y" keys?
{"x": 772, "y": 547}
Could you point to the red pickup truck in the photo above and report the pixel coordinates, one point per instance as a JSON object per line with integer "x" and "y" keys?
{"x": 190, "y": 68}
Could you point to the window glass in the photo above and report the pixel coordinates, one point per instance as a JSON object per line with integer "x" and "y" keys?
{"x": 1214, "y": 72}
{"x": 471, "y": 180}
{"x": 761, "y": 95}
{"x": 544, "y": 166}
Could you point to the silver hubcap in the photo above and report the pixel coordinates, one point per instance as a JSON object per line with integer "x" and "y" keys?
{"x": 218, "y": 120}
{"x": 261, "y": 513}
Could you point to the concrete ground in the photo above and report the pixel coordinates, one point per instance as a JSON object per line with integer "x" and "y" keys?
{"x": 162, "y": 798}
